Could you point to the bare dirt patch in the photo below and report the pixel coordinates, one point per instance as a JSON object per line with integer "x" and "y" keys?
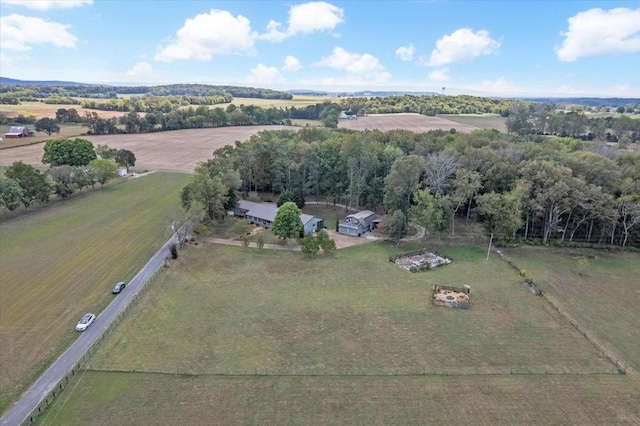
{"x": 408, "y": 121}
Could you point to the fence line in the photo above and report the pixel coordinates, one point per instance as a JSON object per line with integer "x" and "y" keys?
{"x": 177, "y": 238}
{"x": 369, "y": 372}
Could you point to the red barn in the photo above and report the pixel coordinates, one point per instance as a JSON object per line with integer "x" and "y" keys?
{"x": 18, "y": 132}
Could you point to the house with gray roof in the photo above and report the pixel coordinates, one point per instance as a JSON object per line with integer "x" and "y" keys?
{"x": 358, "y": 223}
{"x": 263, "y": 214}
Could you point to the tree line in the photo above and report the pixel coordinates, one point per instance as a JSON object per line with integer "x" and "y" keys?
{"x": 14, "y": 94}
{"x": 560, "y": 190}
{"x": 74, "y": 165}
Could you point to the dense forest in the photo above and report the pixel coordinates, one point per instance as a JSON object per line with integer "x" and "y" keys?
{"x": 561, "y": 190}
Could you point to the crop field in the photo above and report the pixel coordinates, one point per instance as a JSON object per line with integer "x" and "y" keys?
{"x": 40, "y": 109}
{"x": 601, "y": 290}
{"x": 235, "y": 335}
{"x": 481, "y": 121}
{"x": 297, "y": 101}
{"x": 181, "y": 150}
{"x": 408, "y": 121}
{"x": 62, "y": 261}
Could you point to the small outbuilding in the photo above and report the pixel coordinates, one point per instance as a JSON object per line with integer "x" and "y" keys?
{"x": 18, "y": 132}
{"x": 358, "y": 223}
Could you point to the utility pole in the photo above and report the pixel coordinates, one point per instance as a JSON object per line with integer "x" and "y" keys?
{"x": 489, "y": 249}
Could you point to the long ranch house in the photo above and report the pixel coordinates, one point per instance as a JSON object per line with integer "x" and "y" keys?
{"x": 264, "y": 214}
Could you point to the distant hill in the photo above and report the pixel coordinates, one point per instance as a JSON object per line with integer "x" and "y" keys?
{"x": 13, "y": 82}
{"x": 359, "y": 94}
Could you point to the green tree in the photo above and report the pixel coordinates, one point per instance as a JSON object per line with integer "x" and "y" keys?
{"x": 397, "y": 226}
{"x": 104, "y": 170}
{"x": 402, "y": 181}
{"x": 103, "y": 151}
{"x": 206, "y": 191}
{"x": 47, "y": 125}
{"x": 10, "y": 193}
{"x": 327, "y": 244}
{"x": 34, "y": 184}
{"x": 76, "y": 152}
{"x": 287, "y": 223}
{"x": 310, "y": 244}
{"x": 63, "y": 180}
{"x": 429, "y": 211}
{"x": 125, "y": 158}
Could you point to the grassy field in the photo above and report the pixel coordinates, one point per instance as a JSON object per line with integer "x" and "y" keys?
{"x": 297, "y": 101}
{"x": 600, "y": 290}
{"x": 229, "y": 335}
{"x": 62, "y": 261}
{"x": 482, "y": 121}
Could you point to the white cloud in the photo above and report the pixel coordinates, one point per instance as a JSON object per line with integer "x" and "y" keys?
{"x": 19, "y": 33}
{"x": 405, "y": 53}
{"x": 264, "y": 75}
{"x": 462, "y": 45}
{"x": 598, "y": 32}
{"x": 141, "y": 69}
{"x": 304, "y": 19}
{"x": 359, "y": 67}
{"x": 440, "y": 75}
{"x": 292, "y": 64}
{"x": 214, "y": 33}
{"x": 48, "y": 4}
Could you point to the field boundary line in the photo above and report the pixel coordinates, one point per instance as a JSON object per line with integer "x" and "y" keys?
{"x": 361, "y": 372}
{"x": 622, "y": 366}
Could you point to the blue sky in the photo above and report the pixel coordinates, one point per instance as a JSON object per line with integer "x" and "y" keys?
{"x": 497, "y": 48}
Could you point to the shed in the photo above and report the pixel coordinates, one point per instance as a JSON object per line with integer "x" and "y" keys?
{"x": 18, "y": 132}
{"x": 358, "y": 223}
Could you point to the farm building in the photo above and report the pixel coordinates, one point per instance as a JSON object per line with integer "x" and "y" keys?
{"x": 358, "y": 223}
{"x": 264, "y": 214}
{"x": 344, "y": 116}
{"x": 122, "y": 171}
{"x": 18, "y": 132}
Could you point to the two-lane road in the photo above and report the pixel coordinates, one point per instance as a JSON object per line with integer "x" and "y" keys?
{"x": 43, "y": 387}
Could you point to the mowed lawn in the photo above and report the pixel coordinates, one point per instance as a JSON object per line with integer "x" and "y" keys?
{"x": 62, "y": 261}
{"x": 601, "y": 290}
{"x": 234, "y": 310}
{"x": 248, "y": 336}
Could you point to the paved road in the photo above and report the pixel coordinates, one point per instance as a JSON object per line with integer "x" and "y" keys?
{"x": 43, "y": 387}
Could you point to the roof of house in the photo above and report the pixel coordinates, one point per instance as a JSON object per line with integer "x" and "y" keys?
{"x": 362, "y": 215}
{"x": 267, "y": 211}
{"x": 263, "y": 211}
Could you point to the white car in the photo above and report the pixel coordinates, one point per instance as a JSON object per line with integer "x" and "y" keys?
{"x": 85, "y": 321}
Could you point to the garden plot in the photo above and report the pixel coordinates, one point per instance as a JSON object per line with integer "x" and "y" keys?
{"x": 421, "y": 261}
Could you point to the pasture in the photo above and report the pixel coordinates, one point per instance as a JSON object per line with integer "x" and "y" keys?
{"x": 60, "y": 262}
{"x": 66, "y": 131}
{"x": 600, "y": 289}
{"x": 235, "y": 335}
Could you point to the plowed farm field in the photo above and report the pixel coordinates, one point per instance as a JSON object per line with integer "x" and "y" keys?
{"x": 181, "y": 150}
{"x": 409, "y": 121}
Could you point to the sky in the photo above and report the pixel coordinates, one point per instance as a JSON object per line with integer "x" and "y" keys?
{"x": 493, "y": 48}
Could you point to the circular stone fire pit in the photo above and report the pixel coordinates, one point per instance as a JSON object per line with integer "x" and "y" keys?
{"x": 450, "y": 297}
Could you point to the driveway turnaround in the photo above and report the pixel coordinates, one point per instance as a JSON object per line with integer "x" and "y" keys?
{"x": 43, "y": 387}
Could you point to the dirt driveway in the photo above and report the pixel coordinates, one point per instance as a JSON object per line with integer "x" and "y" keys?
{"x": 343, "y": 241}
